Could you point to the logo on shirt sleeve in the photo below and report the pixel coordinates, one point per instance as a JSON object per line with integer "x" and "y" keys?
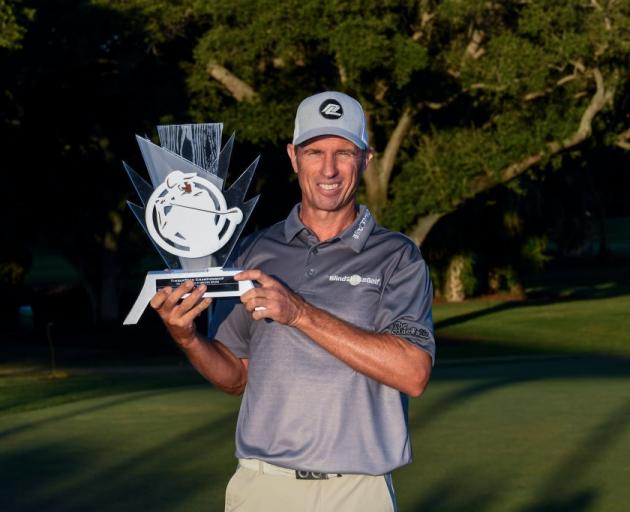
{"x": 400, "y": 328}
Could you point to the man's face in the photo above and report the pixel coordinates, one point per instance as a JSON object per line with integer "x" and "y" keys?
{"x": 328, "y": 169}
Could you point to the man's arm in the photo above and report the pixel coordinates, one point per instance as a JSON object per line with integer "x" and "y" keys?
{"x": 384, "y": 357}
{"x": 213, "y": 360}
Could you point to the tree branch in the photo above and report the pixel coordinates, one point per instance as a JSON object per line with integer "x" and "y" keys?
{"x": 539, "y": 94}
{"x": 423, "y": 226}
{"x": 600, "y": 99}
{"x": 343, "y": 75}
{"x": 240, "y": 90}
{"x": 379, "y": 172}
{"x": 393, "y": 145}
{"x": 623, "y": 140}
{"x": 584, "y": 130}
{"x": 474, "y": 50}
{"x": 481, "y": 184}
{"x": 425, "y": 18}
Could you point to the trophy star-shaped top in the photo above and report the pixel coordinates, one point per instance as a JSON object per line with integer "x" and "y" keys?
{"x": 185, "y": 212}
{"x": 161, "y": 162}
{"x": 199, "y": 143}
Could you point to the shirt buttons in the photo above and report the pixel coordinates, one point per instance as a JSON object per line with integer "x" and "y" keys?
{"x": 310, "y": 272}
{"x": 315, "y": 251}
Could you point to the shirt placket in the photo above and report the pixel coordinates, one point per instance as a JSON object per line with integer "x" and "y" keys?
{"x": 312, "y": 261}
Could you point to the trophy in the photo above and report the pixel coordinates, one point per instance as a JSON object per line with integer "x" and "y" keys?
{"x": 192, "y": 223}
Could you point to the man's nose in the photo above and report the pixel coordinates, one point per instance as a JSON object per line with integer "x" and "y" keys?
{"x": 330, "y": 166}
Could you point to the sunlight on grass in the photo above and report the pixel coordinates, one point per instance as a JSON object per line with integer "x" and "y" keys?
{"x": 578, "y": 326}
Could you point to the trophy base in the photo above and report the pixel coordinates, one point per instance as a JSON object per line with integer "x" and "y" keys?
{"x": 219, "y": 282}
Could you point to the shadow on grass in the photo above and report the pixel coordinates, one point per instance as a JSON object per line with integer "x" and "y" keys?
{"x": 37, "y": 390}
{"x": 566, "y": 487}
{"x": 125, "y": 399}
{"x": 188, "y": 470}
{"x": 559, "y": 493}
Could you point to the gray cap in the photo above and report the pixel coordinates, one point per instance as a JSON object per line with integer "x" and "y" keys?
{"x": 330, "y": 113}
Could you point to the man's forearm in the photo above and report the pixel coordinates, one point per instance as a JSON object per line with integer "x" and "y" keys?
{"x": 212, "y": 359}
{"x": 384, "y": 357}
{"x": 217, "y": 364}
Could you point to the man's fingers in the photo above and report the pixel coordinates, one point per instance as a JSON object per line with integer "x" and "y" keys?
{"x": 190, "y": 301}
{"x": 160, "y": 297}
{"x": 253, "y": 294}
{"x": 255, "y": 275}
{"x": 261, "y": 297}
{"x": 196, "y": 310}
{"x": 256, "y": 302}
{"x": 176, "y": 295}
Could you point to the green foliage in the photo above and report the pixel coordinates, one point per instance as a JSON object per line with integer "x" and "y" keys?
{"x": 286, "y": 50}
{"x": 503, "y": 279}
{"x": 504, "y": 78}
{"x": 438, "y": 176}
{"x": 534, "y": 252}
{"x": 487, "y": 84}
{"x": 12, "y": 273}
{"x": 13, "y": 17}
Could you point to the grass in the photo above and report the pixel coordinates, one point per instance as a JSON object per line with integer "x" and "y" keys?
{"x": 584, "y": 311}
{"x": 525, "y": 436}
{"x": 167, "y": 448}
{"x": 518, "y": 436}
{"x": 34, "y": 390}
{"x": 548, "y": 432}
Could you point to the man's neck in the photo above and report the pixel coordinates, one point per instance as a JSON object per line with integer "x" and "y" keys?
{"x": 326, "y": 225}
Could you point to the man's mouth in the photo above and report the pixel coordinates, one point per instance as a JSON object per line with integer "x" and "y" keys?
{"x": 328, "y": 186}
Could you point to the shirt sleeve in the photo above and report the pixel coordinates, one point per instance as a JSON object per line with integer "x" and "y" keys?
{"x": 405, "y": 305}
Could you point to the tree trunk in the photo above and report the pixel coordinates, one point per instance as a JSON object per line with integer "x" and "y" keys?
{"x": 454, "y": 290}
{"x": 239, "y": 89}
{"x": 379, "y": 172}
{"x": 375, "y": 192}
{"x": 423, "y": 226}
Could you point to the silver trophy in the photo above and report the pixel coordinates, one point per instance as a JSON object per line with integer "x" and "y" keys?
{"x": 192, "y": 223}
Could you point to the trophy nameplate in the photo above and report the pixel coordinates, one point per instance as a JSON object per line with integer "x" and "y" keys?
{"x": 192, "y": 223}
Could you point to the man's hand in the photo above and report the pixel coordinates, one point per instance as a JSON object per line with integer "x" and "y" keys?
{"x": 272, "y": 299}
{"x": 179, "y": 319}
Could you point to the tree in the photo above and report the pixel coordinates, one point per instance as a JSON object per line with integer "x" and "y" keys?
{"x": 14, "y": 260}
{"x": 77, "y": 90}
{"x": 460, "y": 96}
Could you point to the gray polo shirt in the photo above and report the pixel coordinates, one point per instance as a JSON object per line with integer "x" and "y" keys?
{"x": 302, "y": 407}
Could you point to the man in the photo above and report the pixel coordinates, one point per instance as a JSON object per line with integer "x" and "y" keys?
{"x": 329, "y": 345}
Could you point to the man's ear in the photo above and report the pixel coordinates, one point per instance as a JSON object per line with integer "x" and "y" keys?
{"x": 369, "y": 154}
{"x": 367, "y": 158}
{"x": 292, "y": 151}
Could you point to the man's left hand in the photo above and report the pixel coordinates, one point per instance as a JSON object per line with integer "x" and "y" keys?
{"x": 271, "y": 299}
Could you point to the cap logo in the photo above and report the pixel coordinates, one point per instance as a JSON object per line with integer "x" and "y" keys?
{"x": 331, "y": 109}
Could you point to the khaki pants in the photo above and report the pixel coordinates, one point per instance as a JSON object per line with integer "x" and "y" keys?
{"x": 268, "y": 488}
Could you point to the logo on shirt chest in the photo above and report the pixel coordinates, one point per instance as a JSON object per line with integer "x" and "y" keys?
{"x": 355, "y": 279}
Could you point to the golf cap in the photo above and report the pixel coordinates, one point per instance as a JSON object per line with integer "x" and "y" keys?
{"x": 331, "y": 113}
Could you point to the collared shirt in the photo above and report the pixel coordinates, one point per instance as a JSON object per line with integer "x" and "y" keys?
{"x": 302, "y": 407}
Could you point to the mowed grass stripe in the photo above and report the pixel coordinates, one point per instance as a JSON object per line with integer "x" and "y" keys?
{"x": 520, "y": 436}
{"x": 598, "y": 326}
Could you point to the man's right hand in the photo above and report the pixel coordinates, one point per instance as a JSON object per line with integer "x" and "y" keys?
{"x": 179, "y": 317}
